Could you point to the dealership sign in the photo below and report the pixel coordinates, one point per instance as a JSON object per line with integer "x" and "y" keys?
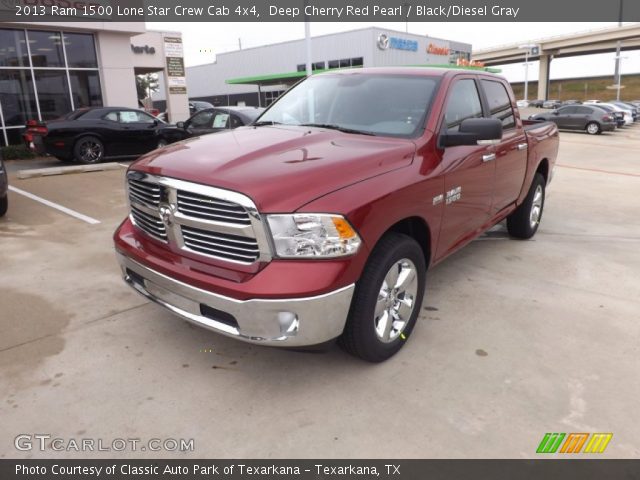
{"x": 174, "y": 53}
{"x": 385, "y": 42}
{"x": 437, "y": 50}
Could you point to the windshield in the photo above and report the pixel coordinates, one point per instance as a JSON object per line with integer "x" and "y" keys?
{"x": 373, "y": 104}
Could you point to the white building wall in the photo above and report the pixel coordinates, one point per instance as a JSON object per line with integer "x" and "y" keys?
{"x": 210, "y": 79}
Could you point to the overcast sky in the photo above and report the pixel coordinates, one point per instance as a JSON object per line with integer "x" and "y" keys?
{"x": 203, "y": 41}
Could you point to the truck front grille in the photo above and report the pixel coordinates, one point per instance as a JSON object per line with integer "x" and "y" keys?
{"x": 145, "y": 192}
{"x": 150, "y": 224}
{"x": 243, "y": 249}
{"x": 198, "y": 219}
{"x": 207, "y": 208}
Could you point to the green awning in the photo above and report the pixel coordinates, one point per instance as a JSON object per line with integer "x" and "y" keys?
{"x": 292, "y": 77}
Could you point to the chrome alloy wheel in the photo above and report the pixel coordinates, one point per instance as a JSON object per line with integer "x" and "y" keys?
{"x": 593, "y": 128}
{"x": 396, "y": 300}
{"x": 536, "y": 207}
{"x": 90, "y": 151}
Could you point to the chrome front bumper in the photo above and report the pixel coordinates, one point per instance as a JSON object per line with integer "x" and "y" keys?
{"x": 287, "y": 322}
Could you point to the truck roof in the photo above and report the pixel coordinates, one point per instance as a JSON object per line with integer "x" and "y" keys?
{"x": 432, "y": 71}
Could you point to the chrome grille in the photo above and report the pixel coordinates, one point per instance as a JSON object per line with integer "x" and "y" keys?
{"x": 150, "y": 224}
{"x": 207, "y": 208}
{"x": 145, "y": 192}
{"x": 235, "y": 247}
{"x": 198, "y": 219}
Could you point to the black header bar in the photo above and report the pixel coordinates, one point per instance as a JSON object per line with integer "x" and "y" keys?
{"x": 319, "y": 10}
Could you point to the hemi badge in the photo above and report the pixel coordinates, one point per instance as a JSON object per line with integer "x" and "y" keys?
{"x": 438, "y": 199}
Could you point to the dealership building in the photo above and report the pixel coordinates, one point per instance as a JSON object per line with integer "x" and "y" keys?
{"x": 256, "y": 76}
{"x": 49, "y": 69}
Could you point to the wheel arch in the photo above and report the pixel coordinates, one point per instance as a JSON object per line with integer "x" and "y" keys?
{"x": 543, "y": 169}
{"x": 416, "y": 228}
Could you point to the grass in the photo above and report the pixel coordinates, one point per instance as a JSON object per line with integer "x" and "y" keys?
{"x": 585, "y": 89}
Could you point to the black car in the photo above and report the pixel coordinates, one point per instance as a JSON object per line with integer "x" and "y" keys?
{"x": 4, "y": 187}
{"x": 536, "y": 103}
{"x": 207, "y": 121}
{"x": 590, "y": 118}
{"x": 90, "y": 135}
{"x": 197, "y": 105}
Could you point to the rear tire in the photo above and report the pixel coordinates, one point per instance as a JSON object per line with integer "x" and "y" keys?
{"x": 524, "y": 221}
{"x": 4, "y": 205}
{"x": 88, "y": 150}
{"x": 387, "y": 299}
{"x": 593, "y": 128}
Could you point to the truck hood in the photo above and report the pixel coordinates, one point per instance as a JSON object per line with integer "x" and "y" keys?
{"x": 280, "y": 167}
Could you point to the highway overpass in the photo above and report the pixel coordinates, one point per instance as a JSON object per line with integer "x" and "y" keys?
{"x": 583, "y": 43}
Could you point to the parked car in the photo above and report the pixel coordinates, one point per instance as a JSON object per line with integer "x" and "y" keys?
{"x": 210, "y": 120}
{"x": 90, "y": 135}
{"x": 552, "y": 104}
{"x": 522, "y": 103}
{"x": 589, "y": 102}
{"x": 589, "y": 118}
{"x": 626, "y": 112}
{"x": 618, "y": 115}
{"x": 4, "y": 188}
{"x": 320, "y": 220}
{"x": 629, "y": 107}
{"x": 571, "y": 102}
{"x": 536, "y": 103}
{"x": 197, "y": 105}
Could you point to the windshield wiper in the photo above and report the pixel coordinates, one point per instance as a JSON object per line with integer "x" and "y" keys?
{"x": 332, "y": 126}
{"x": 265, "y": 122}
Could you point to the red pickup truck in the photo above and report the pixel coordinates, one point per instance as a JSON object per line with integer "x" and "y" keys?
{"x": 320, "y": 220}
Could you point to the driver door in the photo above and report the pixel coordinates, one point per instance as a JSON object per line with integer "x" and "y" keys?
{"x": 469, "y": 173}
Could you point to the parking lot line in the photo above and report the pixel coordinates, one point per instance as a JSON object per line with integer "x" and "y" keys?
{"x": 60, "y": 208}
{"x": 611, "y": 172}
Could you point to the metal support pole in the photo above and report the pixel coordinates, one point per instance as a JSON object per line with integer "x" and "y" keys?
{"x": 526, "y": 74}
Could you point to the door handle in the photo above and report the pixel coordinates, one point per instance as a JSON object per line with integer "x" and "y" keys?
{"x": 523, "y": 146}
{"x": 489, "y": 157}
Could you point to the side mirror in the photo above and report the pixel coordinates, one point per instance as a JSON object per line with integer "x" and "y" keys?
{"x": 180, "y": 125}
{"x": 471, "y": 131}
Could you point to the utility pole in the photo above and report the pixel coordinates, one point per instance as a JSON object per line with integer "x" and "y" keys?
{"x": 616, "y": 74}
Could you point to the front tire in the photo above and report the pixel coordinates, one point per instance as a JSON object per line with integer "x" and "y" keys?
{"x": 387, "y": 300}
{"x": 524, "y": 221}
{"x": 88, "y": 150}
{"x": 593, "y": 128}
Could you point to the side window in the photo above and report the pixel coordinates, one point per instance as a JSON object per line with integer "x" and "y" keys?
{"x": 111, "y": 116}
{"x": 202, "y": 119}
{"x": 499, "y": 103}
{"x": 584, "y": 110}
{"x": 144, "y": 117}
{"x": 236, "y": 122}
{"x": 463, "y": 103}
{"x": 567, "y": 110}
{"x": 221, "y": 120}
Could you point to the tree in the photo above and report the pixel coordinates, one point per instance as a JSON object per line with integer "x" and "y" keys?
{"x": 146, "y": 85}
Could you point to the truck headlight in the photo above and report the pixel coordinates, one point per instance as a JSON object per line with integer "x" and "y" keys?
{"x": 306, "y": 235}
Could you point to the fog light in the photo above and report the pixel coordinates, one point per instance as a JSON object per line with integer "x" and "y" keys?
{"x": 289, "y": 323}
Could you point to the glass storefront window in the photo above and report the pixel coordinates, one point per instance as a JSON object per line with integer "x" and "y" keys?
{"x": 53, "y": 93}
{"x": 85, "y": 87}
{"x": 13, "y": 49}
{"x": 81, "y": 52}
{"x": 16, "y": 97}
{"x": 46, "y": 49}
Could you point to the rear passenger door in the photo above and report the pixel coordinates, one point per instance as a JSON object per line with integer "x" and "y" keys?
{"x": 468, "y": 172}
{"x": 511, "y": 151}
{"x": 582, "y": 117}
